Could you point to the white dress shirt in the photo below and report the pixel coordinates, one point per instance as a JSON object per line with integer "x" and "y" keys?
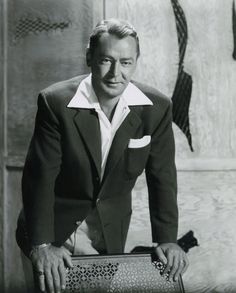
{"x": 88, "y": 237}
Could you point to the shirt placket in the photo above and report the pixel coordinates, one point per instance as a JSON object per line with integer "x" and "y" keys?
{"x": 106, "y": 137}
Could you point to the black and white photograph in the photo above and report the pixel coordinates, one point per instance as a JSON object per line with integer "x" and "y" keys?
{"x": 117, "y": 146}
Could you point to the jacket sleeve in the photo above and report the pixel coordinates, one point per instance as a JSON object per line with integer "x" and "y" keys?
{"x": 40, "y": 172}
{"x": 162, "y": 182}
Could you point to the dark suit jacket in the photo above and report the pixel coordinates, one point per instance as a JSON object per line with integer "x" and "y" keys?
{"x": 61, "y": 178}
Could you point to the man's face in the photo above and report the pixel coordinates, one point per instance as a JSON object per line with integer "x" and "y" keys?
{"x": 112, "y": 64}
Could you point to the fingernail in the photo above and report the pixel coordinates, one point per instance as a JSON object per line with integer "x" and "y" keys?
{"x": 164, "y": 261}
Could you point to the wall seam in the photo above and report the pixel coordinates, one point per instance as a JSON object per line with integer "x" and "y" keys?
{"x": 104, "y": 9}
{"x": 1, "y": 149}
{"x": 5, "y": 42}
{"x": 5, "y": 58}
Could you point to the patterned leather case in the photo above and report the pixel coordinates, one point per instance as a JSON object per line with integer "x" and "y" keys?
{"x": 131, "y": 273}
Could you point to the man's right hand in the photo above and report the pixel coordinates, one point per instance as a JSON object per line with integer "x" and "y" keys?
{"x": 49, "y": 264}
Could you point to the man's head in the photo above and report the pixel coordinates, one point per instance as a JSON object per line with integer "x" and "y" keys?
{"x": 116, "y": 27}
{"x": 112, "y": 54}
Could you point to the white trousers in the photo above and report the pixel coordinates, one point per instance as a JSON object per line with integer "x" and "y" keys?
{"x": 88, "y": 237}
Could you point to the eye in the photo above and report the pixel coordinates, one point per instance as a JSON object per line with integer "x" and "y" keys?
{"x": 126, "y": 63}
{"x": 105, "y": 61}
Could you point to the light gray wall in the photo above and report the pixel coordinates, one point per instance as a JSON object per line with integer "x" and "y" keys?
{"x": 208, "y": 60}
{"x": 41, "y": 42}
{"x": 206, "y": 198}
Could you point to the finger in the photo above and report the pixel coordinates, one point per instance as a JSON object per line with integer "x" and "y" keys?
{"x": 170, "y": 260}
{"x": 56, "y": 279}
{"x": 174, "y": 267}
{"x": 41, "y": 281}
{"x": 179, "y": 271}
{"x": 186, "y": 264}
{"x": 67, "y": 260}
{"x": 49, "y": 280}
{"x": 62, "y": 274}
{"x": 66, "y": 250}
{"x": 40, "y": 277}
{"x": 161, "y": 255}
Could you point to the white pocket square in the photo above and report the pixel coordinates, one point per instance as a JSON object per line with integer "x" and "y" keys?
{"x": 139, "y": 142}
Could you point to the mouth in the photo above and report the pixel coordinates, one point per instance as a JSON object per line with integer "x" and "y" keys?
{"x": 112, "y": 83}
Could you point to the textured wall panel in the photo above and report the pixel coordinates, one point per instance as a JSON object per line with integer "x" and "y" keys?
{"x": 46, "y": 43}
{"x": 206, "y": 206}
{"x": 208, "y": 59}
{"x": 40, "y": 42}
{"x": 155, "y": 23}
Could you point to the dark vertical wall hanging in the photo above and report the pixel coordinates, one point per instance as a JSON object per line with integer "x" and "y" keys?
{"x": 234, "y": 28}
{"x": 183, "y": 87}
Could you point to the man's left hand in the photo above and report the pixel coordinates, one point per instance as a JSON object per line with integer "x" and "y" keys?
{"x": 174, "y": 259}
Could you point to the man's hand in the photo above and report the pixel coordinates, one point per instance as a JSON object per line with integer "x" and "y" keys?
{"x": 49, "y": 264}
{"x": 174, "y": 258}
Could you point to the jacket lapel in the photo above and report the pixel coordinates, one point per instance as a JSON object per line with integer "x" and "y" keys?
{"x": 88, "y": 125}
{"x": 121, "y": 140}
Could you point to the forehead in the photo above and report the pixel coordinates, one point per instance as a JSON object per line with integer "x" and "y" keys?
{"x": 111, "y": 44}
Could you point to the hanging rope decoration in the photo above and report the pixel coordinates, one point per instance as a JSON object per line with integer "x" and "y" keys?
{"x": 183, "y": 87}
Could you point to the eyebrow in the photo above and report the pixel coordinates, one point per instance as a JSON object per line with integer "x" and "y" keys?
{"x": 127, "y": 58}
{"x": 123, "y": 58}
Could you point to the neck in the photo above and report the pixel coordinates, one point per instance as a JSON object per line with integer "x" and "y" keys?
{"x": 107, "y": 103}
{"x": 108, "y": 106}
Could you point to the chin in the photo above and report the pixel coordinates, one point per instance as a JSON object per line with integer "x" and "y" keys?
{"x": 114, "y": 92}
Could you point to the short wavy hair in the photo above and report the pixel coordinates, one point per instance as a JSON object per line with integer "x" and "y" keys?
{"x": 119, "y": 28}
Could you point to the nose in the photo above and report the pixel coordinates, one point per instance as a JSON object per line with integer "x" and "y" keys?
{"x": 115, "y": 69}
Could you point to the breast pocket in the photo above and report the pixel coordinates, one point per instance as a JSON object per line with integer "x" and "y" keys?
{"x": 135, "y": 160}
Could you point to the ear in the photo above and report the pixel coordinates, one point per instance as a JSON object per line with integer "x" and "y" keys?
{"x": 88, "y": 58}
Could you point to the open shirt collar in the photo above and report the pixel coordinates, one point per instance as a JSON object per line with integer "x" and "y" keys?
{"x": 86, "y": 98}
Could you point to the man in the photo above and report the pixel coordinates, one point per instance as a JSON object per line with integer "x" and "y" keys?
{"x": 94, "y": 135}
